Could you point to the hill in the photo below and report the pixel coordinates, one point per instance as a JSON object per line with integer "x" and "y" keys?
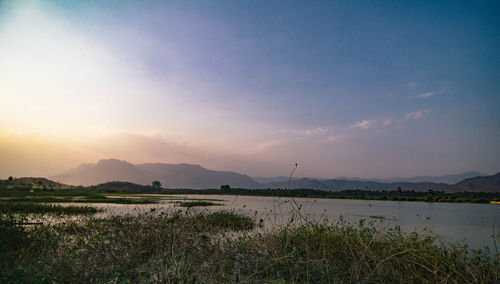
{"x": 342, "y": 184}
{"x": 484, "y": 184}
{"x": 170, "y": 175}
{"x": 476, "y": 184}
{"x": 448, "y": 179}
{"x": 124, "y": 187}
{"x": 196, "y": 177}
{"x": 32, "y": 182}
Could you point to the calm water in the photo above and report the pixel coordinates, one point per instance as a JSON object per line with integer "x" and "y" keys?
{"x": 471, "y": 224}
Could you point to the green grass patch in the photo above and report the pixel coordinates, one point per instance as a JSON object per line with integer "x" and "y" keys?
{"x": 228, "y": 220}
{"x": 95, "y": 196}
{"x": 190, "y": 204}
{"x": 86, "y": 199}
{"x": 34, "y": 208}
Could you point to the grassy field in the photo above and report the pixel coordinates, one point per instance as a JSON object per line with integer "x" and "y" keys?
{"x": 182, "y": 246}
{"x": 71, "y": 195}
{"x": 34, "y": 208}
{"x": 196, "y": 203}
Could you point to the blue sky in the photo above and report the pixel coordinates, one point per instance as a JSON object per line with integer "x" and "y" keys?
{"x": 352, "y": 88}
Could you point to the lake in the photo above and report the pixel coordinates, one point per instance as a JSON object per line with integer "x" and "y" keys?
{"x": 471, "y": 224}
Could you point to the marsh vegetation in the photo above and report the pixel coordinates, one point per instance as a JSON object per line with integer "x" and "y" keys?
{"x": 184, "y": 244}
{"x": 196, "y": 203}
{"x": 222, "y": 247}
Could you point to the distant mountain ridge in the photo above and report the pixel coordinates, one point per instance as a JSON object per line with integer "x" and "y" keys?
{"x": 170, "y": 175}
{"x": 448, "y": 179}
{"x": 196, "y": 177}
{"x": 476, "y": 184}
{"x": 343, "y": 184}
{"x": 486, "y": 184}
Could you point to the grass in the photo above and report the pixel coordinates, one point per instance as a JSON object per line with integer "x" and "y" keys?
{"x": 33, "y": 208}
{"x": 391, "y": 195}
{"x": 190, "y": 204}
{"x": 228, "y": 220}
{"x": 85, "y": 200}
{"x": 91, "y": 198}
{"x": 349, "y": 253}
{"x": 221, "y": 248}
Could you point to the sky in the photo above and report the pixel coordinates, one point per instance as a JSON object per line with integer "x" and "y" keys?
{"x": 343, "y": 88}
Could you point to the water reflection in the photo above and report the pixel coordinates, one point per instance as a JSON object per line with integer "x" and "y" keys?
{"x": 471, "y": 224}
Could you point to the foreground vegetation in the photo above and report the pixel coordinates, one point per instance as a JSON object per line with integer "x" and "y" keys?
{"x": 190, "y": 204}
{"x": 220, "y": 247}
{"x": 33, "y": 208}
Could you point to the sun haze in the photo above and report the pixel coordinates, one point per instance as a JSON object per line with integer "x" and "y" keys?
{"x": 345, "y": 90}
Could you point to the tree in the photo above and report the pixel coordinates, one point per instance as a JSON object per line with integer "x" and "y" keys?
{"x": 11, "y": 178}
{"x": 399, "y": 190}
{"x": 225, "y": 187}
{"x": 430, "y": 192}
{"x": 156, "y": 184}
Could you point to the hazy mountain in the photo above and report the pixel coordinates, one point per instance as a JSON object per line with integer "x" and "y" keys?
{"x": 271, "y": 179}
{"x": 449, "y": 179}
{"x": 104, "y": 171}
{"x": 170, "y": 175}
{"x": 343, "y": 184}
{"x": 485, "y": 184}
{"x": 197, "y": 177}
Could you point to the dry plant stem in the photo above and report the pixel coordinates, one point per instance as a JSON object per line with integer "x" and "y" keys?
{"x": 297, "y": 207}
{"x": 495, "y": 244}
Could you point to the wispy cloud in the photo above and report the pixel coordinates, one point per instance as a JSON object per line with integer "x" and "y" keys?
{"x": 307, "y": 132}
{"x": 386, "y": 122}
{"x": 318, "y": 134}
{"x": 417, "y": 114}
{"x": 365, "y": 124}
{"x": 411, "y": 84}
{"x": 425, "y": 95}
{"x": 314, "y": 131}
{"x": 335, "y": 138}
{"x": 264, "y": 146}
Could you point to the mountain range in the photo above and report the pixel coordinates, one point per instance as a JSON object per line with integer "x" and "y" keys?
{"x": 170, "y": 175}
{"x": 449, "y": 179}
{"x": 197, "y": 177}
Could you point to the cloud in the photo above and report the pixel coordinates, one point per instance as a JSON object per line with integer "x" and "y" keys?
{"x": 307, "y": 132}
{"x": 417, "y": 114}
{"x": 411, "y": 84}
{"x": 335, "y": 138}
{"x": 267, "y": 145}
{"x": 386, "y": 122}
{"x": 365, "y": 124}
{"x": 316, "y": 131}
{"x": 318, "y": 134}
{"x": 425, "y": 95}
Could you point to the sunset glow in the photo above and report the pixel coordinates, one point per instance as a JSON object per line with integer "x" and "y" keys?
{"x": 250, "y": 87}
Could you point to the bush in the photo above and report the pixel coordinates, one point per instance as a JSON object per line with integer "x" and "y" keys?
{"x": 198, "y": 248}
